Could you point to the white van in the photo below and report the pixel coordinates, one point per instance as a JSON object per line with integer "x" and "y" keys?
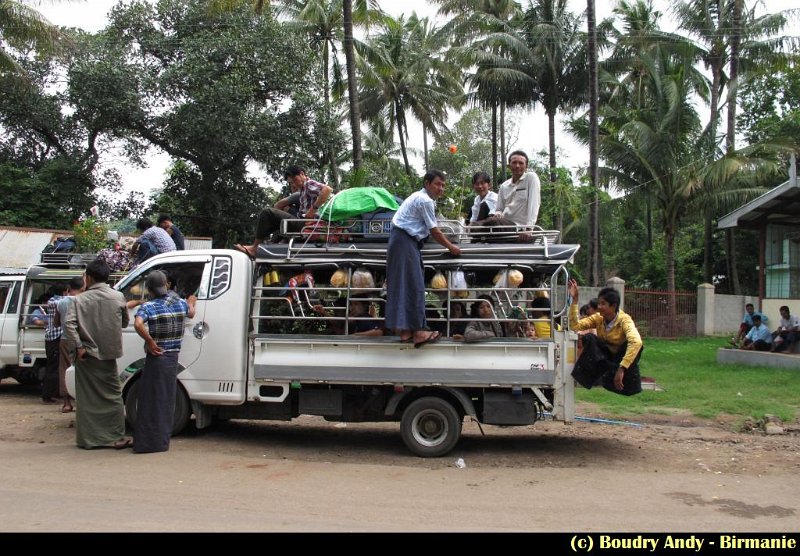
{"x": 270, "y": 340}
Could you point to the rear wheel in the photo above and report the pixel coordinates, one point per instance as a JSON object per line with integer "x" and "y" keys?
{"x": 430, "y": 427}
{"x": 183, "y": 408}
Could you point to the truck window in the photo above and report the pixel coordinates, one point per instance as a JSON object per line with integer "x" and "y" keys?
{"x": 13, "y": 300}
{"x": 5, "y": 289}
{"x": 185, "y": 278}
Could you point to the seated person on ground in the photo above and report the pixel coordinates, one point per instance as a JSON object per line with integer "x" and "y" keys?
{"x": 759, "y": 338}
{"x": 485, "y": 326}
{"x": 747, "y": 323}
{"x": 787, "y": 332}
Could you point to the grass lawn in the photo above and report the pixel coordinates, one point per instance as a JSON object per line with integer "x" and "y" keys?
{"x": 695, "y": 383}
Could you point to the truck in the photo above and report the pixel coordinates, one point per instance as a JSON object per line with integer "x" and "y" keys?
{"x": 22, "y": 349}
{"x": 262, "y": 344}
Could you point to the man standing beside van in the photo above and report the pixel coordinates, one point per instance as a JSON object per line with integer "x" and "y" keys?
{"x": 160, "y": 324}
{"x": 94, "y": 324}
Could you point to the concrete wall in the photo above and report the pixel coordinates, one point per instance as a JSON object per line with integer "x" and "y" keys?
{"x": 728, "y": 312}
{"x": 719, "y": 314}
{"x": 771, "y": 308}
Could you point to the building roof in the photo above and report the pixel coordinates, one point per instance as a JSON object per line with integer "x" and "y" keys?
{"x": 777, "y": 206}
{"x": 21, "y": 248}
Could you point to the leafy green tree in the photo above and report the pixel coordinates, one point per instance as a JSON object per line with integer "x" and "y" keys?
{"x": 770, "y": 102}
{"x": 216, "y": 91}
{"x": 57, "y": 144}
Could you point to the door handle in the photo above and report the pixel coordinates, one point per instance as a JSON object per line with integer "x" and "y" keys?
{"x": 199, "y": 330}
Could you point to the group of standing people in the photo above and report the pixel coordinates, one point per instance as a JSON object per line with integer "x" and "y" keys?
{"x": 92, "y": 326}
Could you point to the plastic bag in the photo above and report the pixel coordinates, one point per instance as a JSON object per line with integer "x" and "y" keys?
{"x": 439, "y": 282}
{"x": 459, "y": 284}
{"x": 361, "y": 280}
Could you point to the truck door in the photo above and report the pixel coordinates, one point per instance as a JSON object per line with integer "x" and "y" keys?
{"x": 9, "y": 316}
{"x": 189, "y": 275}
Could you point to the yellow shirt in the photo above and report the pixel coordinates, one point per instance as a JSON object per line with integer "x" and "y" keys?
{"x": 623, "y": 330}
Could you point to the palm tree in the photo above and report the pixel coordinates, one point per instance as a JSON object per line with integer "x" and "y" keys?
{"x": 651, "y": 147}
{"x": 352, "y": 88}
{"x": 710, "y": 23}
{"x": 23, "y": 28}
{"x": 477, "y": 29}
{"x": 400, "y": 77}
{"x": 554, "y": 36}
{"x": 595, "y": 271}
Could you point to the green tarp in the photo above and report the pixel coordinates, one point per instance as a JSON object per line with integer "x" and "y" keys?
{"x": 355, "y": 201}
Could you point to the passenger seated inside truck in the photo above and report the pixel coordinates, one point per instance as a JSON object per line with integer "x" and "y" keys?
{"x": 485, "y": 326}
{"x": 457, "y": 328}
{"x": 38, "y": 312}
{"x": 358, "y": 323}
{"x": 522, "y": 327}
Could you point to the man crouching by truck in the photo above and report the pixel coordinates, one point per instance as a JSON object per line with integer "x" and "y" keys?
{"x": 94, "y": 325}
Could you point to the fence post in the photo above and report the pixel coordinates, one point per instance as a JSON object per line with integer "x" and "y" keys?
{"x": 705, "y": 310}
{"x": 619, "y": 285}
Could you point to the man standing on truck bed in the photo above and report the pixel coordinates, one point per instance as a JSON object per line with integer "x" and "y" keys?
{"x": 160, "y": 324}
{"x": 313, "y": 195}
{"x": 94, "y": 324}
{"x": 413, "y": 222}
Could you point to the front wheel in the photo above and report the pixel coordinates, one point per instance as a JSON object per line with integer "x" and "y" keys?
{"x": 183, "y": 409}
{"x": 430, "y": 427}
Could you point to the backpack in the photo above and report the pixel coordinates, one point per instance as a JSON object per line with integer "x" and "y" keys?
{"x": 62, "y": 245}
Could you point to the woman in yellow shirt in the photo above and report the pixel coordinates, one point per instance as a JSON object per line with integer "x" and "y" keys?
{"x": 612, "y": 355}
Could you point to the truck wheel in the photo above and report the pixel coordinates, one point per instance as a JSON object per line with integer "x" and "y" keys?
{"x": 28, "y": 376}
{"x": 430, "y": 427}
{"x": 183, "y": 409}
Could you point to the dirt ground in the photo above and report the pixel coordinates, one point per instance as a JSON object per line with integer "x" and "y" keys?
{"x": 658, "y": 474}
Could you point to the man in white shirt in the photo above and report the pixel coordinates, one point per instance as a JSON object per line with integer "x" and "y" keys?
{"x": 787, "y": 332}
{"x": 519, "y": 198}
{"x": 485, "y": 199}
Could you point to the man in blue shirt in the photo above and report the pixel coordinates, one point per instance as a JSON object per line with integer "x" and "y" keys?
{"x": 759, "y": 338}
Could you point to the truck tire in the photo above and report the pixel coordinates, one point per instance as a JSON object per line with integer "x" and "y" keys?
{"x": 430, "y": 427}
{"x": 183, "y": 409}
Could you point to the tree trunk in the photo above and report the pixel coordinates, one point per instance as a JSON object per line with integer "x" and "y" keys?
{"x": 730, "y": 139}
{"x": 649, "y": 223}
{"x": 503, "y": 154}
{"x": 332, "y": 167}
{"x": 401, "y": 134}
{"x": 594, "y": 134}
{"x": 708, "y": 247}
{"x": 425, "y": 146}
{"x": 494, "y": 144}
{"x": 551, "y": 132}
{"x": 669, "y": 255}
{"x": 352, "y": 90}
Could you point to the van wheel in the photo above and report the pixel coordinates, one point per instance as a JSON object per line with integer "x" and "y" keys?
{"x": 430, "y": 427}
{"x": 183, "y": 409}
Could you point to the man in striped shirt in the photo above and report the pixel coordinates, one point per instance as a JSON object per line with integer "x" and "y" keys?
{"x": 313, "y": 195}
{"x": 160, "y": 323}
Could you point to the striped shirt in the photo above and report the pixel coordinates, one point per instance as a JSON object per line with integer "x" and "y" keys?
{"x": 160, "y": 238}
{"x": 309, "y": 194}
{"x": 164, "y": 317}
{"x": 52, "y": 332}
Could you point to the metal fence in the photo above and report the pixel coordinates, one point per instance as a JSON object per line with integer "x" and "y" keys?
{"x": 662, "y": 314}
